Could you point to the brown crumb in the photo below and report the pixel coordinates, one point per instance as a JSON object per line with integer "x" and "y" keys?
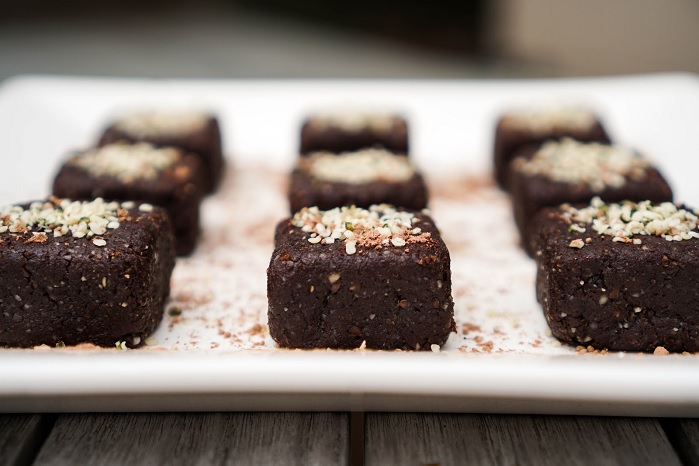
{"x": 660, "y": 351}
{"x": 256, "y": 329}
{"x": 487, "y": 347}
{"x": 591, "y": 350}
{"x": 37, "y": 238}
{"x": 421, "y": 238}
{"x": 467, "y": 327}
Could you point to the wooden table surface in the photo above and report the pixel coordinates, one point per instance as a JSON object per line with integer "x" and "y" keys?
{"x": 344, "y": 438}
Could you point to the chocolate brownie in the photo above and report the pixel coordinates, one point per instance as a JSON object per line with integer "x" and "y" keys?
{"x": 139, "y": 172}
{"x": 620, "y": 276}
{"x": 573, "y": 172}
{"x": 353, "y": 131}
{"x": 193, "y": 132}
{"x": 362, "y": 178}
{"x": 83, "y": 272}
{"x": 352, "y": 277}
{"x": 519, "y": 130}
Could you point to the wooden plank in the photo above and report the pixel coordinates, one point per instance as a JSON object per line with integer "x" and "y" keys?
{"x": 684, "y": 435}
{"x": 452, "y": 439}
{"x": 21, "y": 436}
{"x": 221, "y": 438}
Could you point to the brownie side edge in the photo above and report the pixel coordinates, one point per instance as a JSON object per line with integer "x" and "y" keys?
{"x": 68, "y": 290}
{"x": 390, "y": 298}
{"x": 618, "y": 296}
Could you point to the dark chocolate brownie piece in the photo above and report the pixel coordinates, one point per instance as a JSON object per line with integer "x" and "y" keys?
{"x": 193, "y": 132}
{"x": 620, "y": 276}
{"x": 351, "y": 276}
{"x": 362, "y": 178}
{"x": 83, "y": 272}
{"x": 139, "y": 172}
{"x": 573, "y": 172}
{"x": 353, "y": 131}
{"x": 519, "y": 130}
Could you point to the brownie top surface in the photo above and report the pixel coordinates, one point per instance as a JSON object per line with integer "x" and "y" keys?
{"x": 594, "y": 165}
{"x": 546, "y": 120}
{"x": 60, "y": 221}
{"x": 355, "y": 121}
{"x": 643, "y": 225}
{"x": 351, "y": 230}
{"x": 360, "y": 167}
{"x": 162, "y": 123}
{"x": 127, "y": 162}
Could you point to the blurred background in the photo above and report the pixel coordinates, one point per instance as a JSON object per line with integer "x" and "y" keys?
{"x": 358, "y": 39}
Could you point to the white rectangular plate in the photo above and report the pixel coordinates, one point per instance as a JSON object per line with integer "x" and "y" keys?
{"x": 213, "y": 351}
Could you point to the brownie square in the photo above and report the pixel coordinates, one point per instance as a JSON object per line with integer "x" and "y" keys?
{"x": 139, "y": 172}
{"x": 83, "y": 272}
{"x": 350, "y": 277}
{"x": 573, "y": 172}
{"x": 343, "y": 132}
{"x": 529, "y": 129}
{"x": 620, "y": 276}
{"x": 362, "y": 178}
{"x": 192, "y": 132}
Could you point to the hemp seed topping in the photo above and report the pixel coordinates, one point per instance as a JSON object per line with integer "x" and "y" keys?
{"x": 127, "y": 162}
{"x": 625, "y": 220}
{"x": 61, "y": 217}
{"x": 549, "y": 119}
{"x": 377, "y": 226}
{"x": 161, "y": 123}
{"x": 596, "y": 165}
{"x": 355, "y": 121}
{"x": 358, "y": 167}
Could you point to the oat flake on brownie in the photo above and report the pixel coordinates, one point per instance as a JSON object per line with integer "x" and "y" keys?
{"x": 61, "y": 217}
{"x": 359, "y": 167}
{"x": 161, "y": 123}
{"x": 627, "y": 219}
{"x": 355, "y": 121}
{"x": 596, "y": 165}
{"x": 549, "y": 119}
{"x": 379, "y": 225}
{"x": 127, "y": 162}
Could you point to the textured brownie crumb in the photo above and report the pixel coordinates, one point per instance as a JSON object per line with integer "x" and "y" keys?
{"x": 127, "y": 162}
{"x": 60, "y": 217}
{"x": 551, "y": 119}
{"x": 355, "y": 121}
{"x": 37, "y": 238}
{"x": 161, "y": 123}
{"x": 378, "y": 226}
{"x": 627, "y": 219}
{"x": 359, "y": 167}
{"x": 591, "y": 350}
{"x": 597, "y": 165}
